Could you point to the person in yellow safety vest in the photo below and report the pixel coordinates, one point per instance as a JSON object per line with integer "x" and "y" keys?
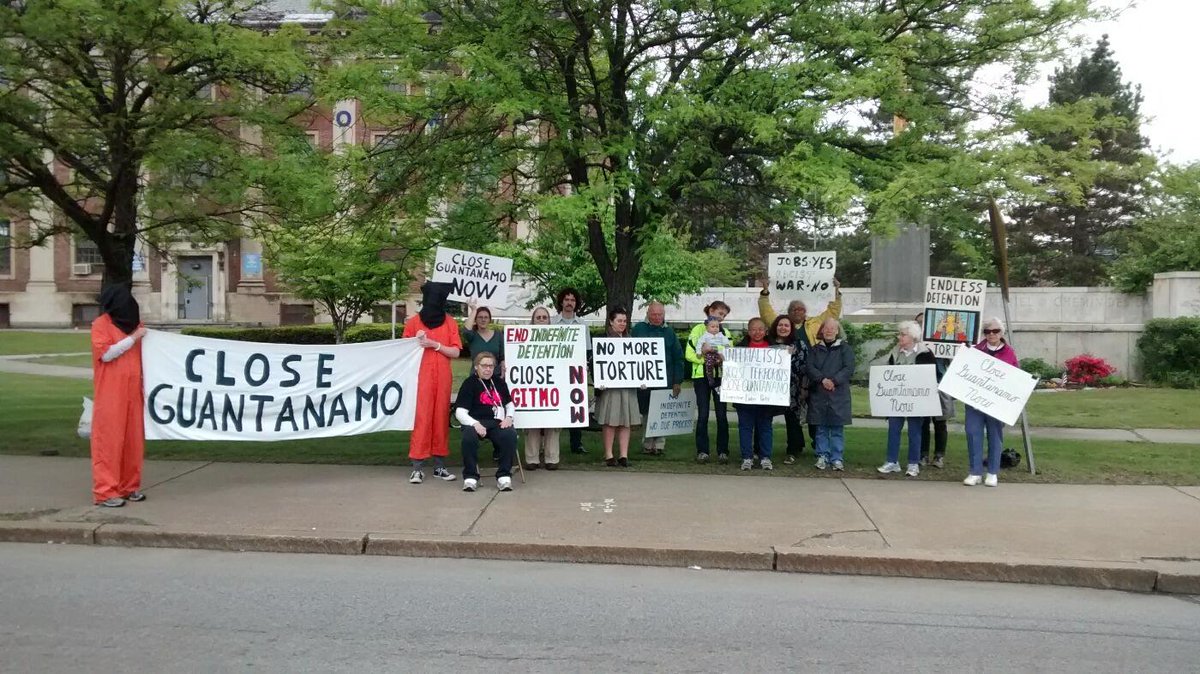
{"x": 798, "y": 312}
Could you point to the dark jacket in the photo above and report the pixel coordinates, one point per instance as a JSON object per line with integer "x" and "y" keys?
{"x": 836, "y": 362}
{"x": 673, "y": 351}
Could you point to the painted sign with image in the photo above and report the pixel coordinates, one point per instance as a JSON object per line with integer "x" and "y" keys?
{"x": 756, "y": 376}
{"x": 545, "y": 367}
{"x": 988, "y": 384}
{"x": 804, "y": 276}
{"x": 671, "y": 415}
{"x": 474, "y": 276}
{"x": 630, "y": 362}
{"x": 904, "y": 391}
{"x": 952, "y": 313}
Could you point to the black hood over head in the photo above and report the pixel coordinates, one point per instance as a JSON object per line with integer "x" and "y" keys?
{"x": 433, "y": 303}
{"x": 118, "y": 303}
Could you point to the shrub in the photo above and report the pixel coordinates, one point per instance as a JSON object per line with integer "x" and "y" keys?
{"x": 372, "y": 332}
{"x": 1087, "y": 369}
{"x": 1040, "y": 368}
{"x": 1170, "y": 352}
{"x": 1112, "y": 380}
{"x": 286, "y": 334}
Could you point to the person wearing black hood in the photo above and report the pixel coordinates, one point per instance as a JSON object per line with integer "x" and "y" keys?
{"x": 438, "y": 334}
{"x": 118, "y": 433}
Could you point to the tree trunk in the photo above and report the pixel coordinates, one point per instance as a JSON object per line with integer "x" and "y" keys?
{"x": 116, "y": 247}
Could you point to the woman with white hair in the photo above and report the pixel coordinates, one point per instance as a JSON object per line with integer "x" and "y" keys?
{"x": 908, "y": 351}
{"x": 977, "y": 423}
{"x": 830, "y": 366}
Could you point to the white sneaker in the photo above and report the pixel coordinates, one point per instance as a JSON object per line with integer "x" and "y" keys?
{"x": 914, "y": 470}
{"x": 766, "y": 464}
{"x": 443, "y": 474}
{"x": 417, "y": 477}
{"x": 470, "y": 484}
{"x": 992, "y": 480}
{"x": 838, "y": 465}
{"x": 973, "y": 480}
{"x": 822, "y": 463}
{"x": 504, "y": 484}
{"x": 889, "y": 467}
{"x": 747, "y": 464}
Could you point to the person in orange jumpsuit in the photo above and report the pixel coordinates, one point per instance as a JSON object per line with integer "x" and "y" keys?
{"x": 118, "y": 433}
{"x": 438, "y": 335}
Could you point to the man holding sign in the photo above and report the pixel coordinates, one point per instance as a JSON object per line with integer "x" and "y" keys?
{"x": 655, "y": 327}
{"x": 473, "y": 276}
{"x": 808, "y": 280}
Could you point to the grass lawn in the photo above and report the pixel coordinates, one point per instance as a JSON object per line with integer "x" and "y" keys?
{"x": 17, "y": 342}
{"x": 42, "y": 413}
{"x": 82, "y": 360}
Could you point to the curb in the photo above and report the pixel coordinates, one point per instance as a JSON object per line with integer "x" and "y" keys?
{"x": 76, "y": 533}
{"x": 149, "y": 537}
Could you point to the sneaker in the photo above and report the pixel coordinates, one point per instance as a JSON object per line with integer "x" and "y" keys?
{"x": 417, "y": 477}
{"x": 114, "y": 502}
{"x": 924, "y": 460}
{"x": 747, "y": 464}
{"x": 504, "y": 484}
{"x": 722, "y": 459}
{"x": 767, "y": 465}
{"x": 939, "y": 461}
{"x": 838, "y": 465}
{"x": 578, "y": 450}
{"x": 992, "y": 480}
{"x": 889, "y": 467}
{"x": 913, "y": 470}
{"x": 821, "y": 463}
{"x": 443, "y": 474}
{"x": 135, "y": 496}
{"x": 973, "y": 480}
{"x": 701, "y": 458}
{"x": 470, "y": 484}
{"x": 789, "y": 460}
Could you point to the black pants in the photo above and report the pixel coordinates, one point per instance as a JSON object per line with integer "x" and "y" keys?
{"x": 705, "y": 392}
{"x": 576, "y": 435}
{"x": 503, "y": 439}
{"x": 939, "y": 438}
{"x": 795, "y": 433}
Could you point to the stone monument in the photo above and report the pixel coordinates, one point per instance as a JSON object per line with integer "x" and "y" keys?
{"x": 899, "y": 266}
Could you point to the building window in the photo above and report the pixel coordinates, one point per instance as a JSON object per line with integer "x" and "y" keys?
{"x": 384, "y": 140}
{"x": 87, "y": 253}
{"x": 314, "y": 139}
{"x": 5, "y": 247}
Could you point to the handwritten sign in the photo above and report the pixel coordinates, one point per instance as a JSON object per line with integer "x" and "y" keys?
{"x": 546, "y": 370}
{"x": 952, "y": 313}
{"x": 628, "y": 362}
{"x": 988, "y": 384}
{"x": 756, "y": 376}
{"x": 474, "y": 275}
{"x": 904, "y": 391}
{"x": 807, "y": 277}
{"x": 671, "y": 416}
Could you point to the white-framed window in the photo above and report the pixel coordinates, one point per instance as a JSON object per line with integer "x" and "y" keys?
{"x": 314, "y": 139}
{"x": 382, "y": 139}
{"x": 87, "y": 252}
{"x": 5, "y": 248}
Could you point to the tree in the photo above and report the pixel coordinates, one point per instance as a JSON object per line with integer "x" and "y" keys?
{"x": 657, "y": 107}
{"x": 1095, "y": 171}
{"x": 1166, "y": 235}
{"x": 128, "y": 116}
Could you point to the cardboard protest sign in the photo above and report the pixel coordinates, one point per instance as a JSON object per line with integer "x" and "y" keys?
{"x": 545, "y": 367}
{"x": 805, "y": 276}
{"x": 904, "y": 391}
{"x": 474, "y": 275}
{"x": 630, "y": 362}
{"x": 199, "y": 388}
{"x": 988, "y": 384}
{"x": 952, "y": 313}
{"x": 671, "y": 416}
{"x": 756, "y": 376}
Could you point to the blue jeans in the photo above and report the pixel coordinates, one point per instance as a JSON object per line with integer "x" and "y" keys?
{"x": 977, "y": 422}
{"x": 830, "y": 442}
{"x": 755, "y": 419}
{"x": 914, "y": 439}
{"x": 705, "y": 392}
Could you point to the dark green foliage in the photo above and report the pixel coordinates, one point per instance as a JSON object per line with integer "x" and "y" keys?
{"x": 1040, "y": 368}
{"x": 1170, "y": 352}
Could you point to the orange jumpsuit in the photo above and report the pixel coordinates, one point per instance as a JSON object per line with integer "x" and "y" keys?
{"x": 118, "y": 431}
{"x": 431, "y": 428}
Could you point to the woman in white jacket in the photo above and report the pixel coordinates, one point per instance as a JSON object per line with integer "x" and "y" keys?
{"x": 485, "y": 410}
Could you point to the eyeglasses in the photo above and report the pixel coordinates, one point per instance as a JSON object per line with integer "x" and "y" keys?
{"x": 992, "y": 331}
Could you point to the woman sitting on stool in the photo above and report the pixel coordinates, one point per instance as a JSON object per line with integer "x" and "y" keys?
{"x": 485, "y": 410}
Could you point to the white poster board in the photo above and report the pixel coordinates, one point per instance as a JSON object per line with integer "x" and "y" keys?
{"x": 199, "y": 388}
{"x": 953, "y": 311}
{"x": 904, "y": 391}
{"x": 630, "y": 362}
{"x": 756, "y": 376}
{"x": 671, "y": 415}
{"x": 545, "y": 367}
{"x": 988, "y": 384}
{"x": 805, "y": 276}
{"x": 476, "y": 276}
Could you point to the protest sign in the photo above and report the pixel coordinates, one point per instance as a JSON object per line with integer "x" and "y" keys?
{"x": 213, "y": 389}
{"x": 630, "y": 362}
{"x": 474, "y": 276}
{"x": 671, "y": 415}
{"x": 756, "y": 376}
{"x": 952, "y": 313}
{"x": 546, "y": 370}
{"x": 988, "y": 384}
{"x": 904, "y": 391}
{"x": 806, "y": 276}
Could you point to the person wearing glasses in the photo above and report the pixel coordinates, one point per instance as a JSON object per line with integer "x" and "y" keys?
{"x": 978, "y": 423}
{"x": 485, "y": 410}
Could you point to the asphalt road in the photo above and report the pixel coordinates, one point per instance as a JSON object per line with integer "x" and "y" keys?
{"x": 67, "y": 608}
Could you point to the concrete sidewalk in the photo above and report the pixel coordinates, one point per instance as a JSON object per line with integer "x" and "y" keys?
{"x": 1142, "y": 538}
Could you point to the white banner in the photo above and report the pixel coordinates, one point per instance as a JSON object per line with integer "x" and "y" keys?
{"x": 483, "y": 278}
{"x": 904, "y": 391}
{"x": 756, "y": 376}
{"x": 805, "y": 276}
{"x": 952, "y": 313}
{"x": 214, "y": 389}
{"x": 671, "y": 416}
{"x": 988, "y": 384}
{"x": 630, "y": 362}
{"x": 546, "y": 370}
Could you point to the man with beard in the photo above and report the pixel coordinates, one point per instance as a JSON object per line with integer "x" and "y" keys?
{"x": 567, "y": 302}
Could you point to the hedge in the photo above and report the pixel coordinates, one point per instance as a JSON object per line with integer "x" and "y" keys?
{"x": 1170, "y": 352}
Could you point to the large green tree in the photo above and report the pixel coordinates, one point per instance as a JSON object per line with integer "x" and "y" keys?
{"x": 137, "y": 118}
{"x": 1165, "y": 236}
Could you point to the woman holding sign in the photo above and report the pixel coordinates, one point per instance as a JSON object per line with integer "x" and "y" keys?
{"x": 617, "y": 408}
{"x": 908, "y": 351}
{"x": 830, "y": 366}
{"x": 755, "y": 419}
{"x": 977, "y": 423}
{"x": 485, "y": 410}
{"x": 784, "y": 335}
{"x": 482, "y": 338}
{"x": 541, "y": 444}
{"x": 437, "y": 333}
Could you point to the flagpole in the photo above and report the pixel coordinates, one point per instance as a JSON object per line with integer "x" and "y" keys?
{"x": 1000, "y": 244}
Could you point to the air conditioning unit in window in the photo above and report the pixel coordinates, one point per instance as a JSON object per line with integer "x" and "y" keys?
{"x": 81, "y": 269}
